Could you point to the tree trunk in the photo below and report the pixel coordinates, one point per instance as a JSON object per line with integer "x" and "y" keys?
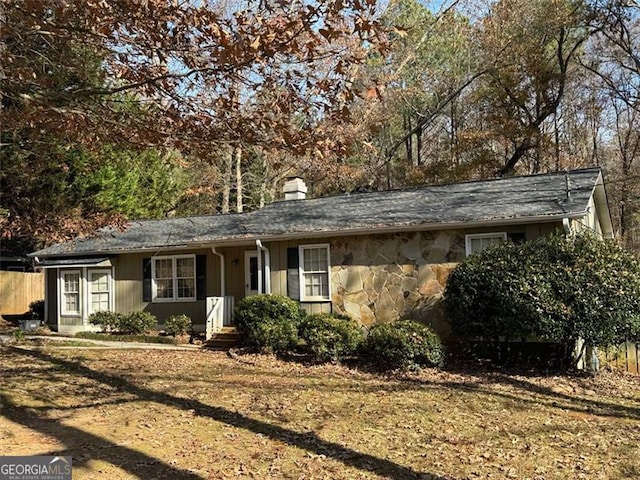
{"x": 226, "y": 180}
{"x": 237, "y": 153}
{"x": 263, "y": 181}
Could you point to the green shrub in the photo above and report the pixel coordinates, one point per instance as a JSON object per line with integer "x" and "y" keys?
{"x": 137, "y": 323}
{"x": 19, "y": 336}
{"x": 177, "y": 325}
{"x": 554, "y": 288}
{"x": 107, "y": 321}
{"x": 268, "y": 322}
{"x": 402, "y": 345}
{"x": 331, "y": 337}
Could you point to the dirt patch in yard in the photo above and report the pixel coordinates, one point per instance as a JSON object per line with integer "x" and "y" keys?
{"x": 200, "y": 415}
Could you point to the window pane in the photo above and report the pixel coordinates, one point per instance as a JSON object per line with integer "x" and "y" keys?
{"x": 186, "y": 288}
{"x": 315, "y": 259}
{"x": 164, "y": 288}
{"x": 99, "y": 282}
{"x": 477, "y": 244}
{"x": 72, "y": 302}
{"x": 185, "y": 267}
{"x": 72, "y": 282}
{"x": 164, "y": 268}
{"x": 99, "y": 302}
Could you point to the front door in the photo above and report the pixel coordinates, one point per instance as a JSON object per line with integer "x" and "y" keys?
{"x": 252, "y": 273}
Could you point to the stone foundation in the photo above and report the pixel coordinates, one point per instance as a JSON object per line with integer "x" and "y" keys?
{"x": 383, "y": 278}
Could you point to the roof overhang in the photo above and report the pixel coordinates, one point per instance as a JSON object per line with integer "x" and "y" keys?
{"x": 250, "y": 240}
{"x": 66, "y": 262}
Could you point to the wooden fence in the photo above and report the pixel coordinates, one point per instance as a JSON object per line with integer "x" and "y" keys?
{"x": 18, "y": 290}
{"x": 624, "y": 357}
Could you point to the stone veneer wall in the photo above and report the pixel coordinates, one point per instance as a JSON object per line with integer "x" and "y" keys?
{"x": 382, "y": 278}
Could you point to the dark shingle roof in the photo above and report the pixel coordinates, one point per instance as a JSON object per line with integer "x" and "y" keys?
{"x": 526, "y": 198}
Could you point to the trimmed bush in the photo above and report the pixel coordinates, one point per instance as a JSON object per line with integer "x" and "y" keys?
{"x": 137, "y": 323}
{"x": 268, "y": 322}
{"x": 177, "y": 325}
{"x": 402, "y": 345}
{"x": 554, "y": 288}
{"x": 107, "y": 321}
{"x": 331, "y": 337}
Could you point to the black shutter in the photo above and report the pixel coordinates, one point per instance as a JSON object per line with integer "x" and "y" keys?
{"x": 146, "y": 279}
{"x": 201, "y": 277}
{"x": 293, "y": 274}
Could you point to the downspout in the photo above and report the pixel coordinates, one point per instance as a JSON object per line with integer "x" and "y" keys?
{"x": 567, "y": 226}
{"x": 267, "y": 266}
{"x": 222, "y": 276}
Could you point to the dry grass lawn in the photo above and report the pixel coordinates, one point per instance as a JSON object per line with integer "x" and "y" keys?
{"x": 199, "y": 415}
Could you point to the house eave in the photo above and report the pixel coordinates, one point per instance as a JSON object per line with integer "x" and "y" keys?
{"x": 250, "y": 240}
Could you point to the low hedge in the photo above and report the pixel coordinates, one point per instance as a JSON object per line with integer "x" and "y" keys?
{"x": 330, "y": 337}
{"x": 402, "y": 345}
{"x": 134, "y": 323}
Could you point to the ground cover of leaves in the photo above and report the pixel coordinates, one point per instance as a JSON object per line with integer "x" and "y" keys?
{"x": 201, "y": 414}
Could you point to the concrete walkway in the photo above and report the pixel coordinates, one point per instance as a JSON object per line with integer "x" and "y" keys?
{"x": 103, "y": 344}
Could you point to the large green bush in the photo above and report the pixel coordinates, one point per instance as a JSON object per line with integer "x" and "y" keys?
{"x": 107, "y": 321}
{"x": 137, "y": 323}
{"x": 403, "y": 345}
{"x": 268, "y": 322}
{"x": 554, "y": 288}
{"x": 331, "y": 337}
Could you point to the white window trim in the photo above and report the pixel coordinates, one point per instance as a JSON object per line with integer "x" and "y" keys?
{"x": 175, "y": 298}
{"x": 89, "y": 292}
{"x": 471, "y": 236}
{"x": 301, "y": 272}
{"x": 63, "y": 303}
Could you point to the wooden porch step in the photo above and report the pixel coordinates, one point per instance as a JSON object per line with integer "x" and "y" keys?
{"x": 225, "y": 339}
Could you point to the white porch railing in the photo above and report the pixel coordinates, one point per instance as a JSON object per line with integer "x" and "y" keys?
{"x": 219, "y": 314}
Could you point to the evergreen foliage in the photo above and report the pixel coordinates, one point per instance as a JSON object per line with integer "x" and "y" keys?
{"x": 331, "y": 337}
{"x": 402, "y": 345}
{"x": 553, "y": 288}
{"x": 269, "y": 322}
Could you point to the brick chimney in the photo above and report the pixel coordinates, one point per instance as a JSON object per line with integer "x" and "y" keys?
{"x": 295, "y": 189}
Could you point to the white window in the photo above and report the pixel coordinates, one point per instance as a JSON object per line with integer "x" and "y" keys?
{"x": 174, "y": 278}
{"x": 99, "y": 290}
{"x": 479, "y": 241}
{"x": 71, "y": 292}
{"x": 314, "y": 272}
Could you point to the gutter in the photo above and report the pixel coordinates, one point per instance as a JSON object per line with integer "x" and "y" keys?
{"x": 222, "y": 273}
{"x": 267, "y": 266}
